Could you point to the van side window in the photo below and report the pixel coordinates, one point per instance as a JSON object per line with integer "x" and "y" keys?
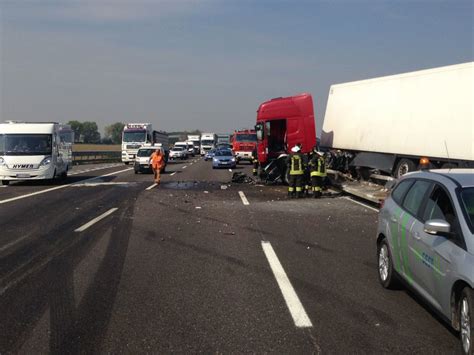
{"x": 401, "y": 190}
{"x": 415, "y": 196}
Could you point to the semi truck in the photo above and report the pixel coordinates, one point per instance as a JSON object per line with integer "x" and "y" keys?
{"x": 391, "y": 123}
{"x": 281, "y": 124}
{"x": 196, "y": 139}
{"x": 243, "y": 144}
{"x": 208, "y": 142}
{"x": 33, "y": 151}
{"x": 135, "y": 135}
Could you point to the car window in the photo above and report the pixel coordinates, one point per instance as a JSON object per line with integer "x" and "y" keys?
{"x": 467, "y": 199}
{"x": 439, "y": 206}
{"x": 415, "y": 195}
{"x": 401, "y": 189}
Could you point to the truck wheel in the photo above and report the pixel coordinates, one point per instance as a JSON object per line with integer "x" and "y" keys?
{"x": 404, "y": 166}
{"x": 466, "y": 307}
{"x": 127, "y": 162}
{"x": 5, "y": 182}
{"x": 385, "y": 265}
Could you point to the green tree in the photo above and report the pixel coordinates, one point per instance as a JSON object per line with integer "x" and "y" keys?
{"x": 114, "y": 132}
{"x": 77, "y": 127}
{"x": 90, "y": 132}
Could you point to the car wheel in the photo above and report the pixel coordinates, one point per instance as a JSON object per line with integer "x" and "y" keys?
{"x": 466, "y": 307}
{"x": 5, "y": 182}
{"x": 385, "y": 265}
{"x": 404, "y": 166}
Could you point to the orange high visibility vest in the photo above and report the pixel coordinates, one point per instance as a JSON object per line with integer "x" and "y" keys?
{"x": 157, "y": 160}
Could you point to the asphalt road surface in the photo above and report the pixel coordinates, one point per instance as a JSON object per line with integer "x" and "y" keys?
{"x": 105, "y": 262}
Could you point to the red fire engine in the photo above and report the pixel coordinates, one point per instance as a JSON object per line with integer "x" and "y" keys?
{"x": 243, "y": 143}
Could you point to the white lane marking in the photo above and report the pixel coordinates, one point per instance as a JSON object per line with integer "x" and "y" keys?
{"x": 184, "y": 167}
{"x": 16, "y": 241}
{"x": 151, "y": 186}
{"x": 292, "y": 300}
{"x": 89, "y": 184}
{"x": 362, "y": 204}
{"x": 95, "y": 220}
{"x": 243, "y": 198}
{"x": 173, "y": 173}
{"x": 230, "y": 170}
{"x": 59, "y": 187}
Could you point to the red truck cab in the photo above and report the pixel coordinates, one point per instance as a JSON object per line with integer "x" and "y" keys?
{"x": 243, "y": 143}
{"x": 282, "y": 123}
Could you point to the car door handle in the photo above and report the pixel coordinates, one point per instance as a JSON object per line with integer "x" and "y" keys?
{"x": 393, "y": 219}
{"x": 416, "y": 235}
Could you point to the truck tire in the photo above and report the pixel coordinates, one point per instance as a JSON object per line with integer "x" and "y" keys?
{"x": 466, "y": 314}
{"x": 404, "y": 166}
{"x": 5, "y": 182}
{"x": 127, "y": 162}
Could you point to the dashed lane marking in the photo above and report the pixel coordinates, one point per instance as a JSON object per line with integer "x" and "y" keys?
{"x": 184, "y": 167}
{"x": 61, "y": 187}
{"x": 95, "y": 220}
{"x": 173, "y": 173}
{"x": 361, "y": 204}
{"x": 292, "y": 300}
{"x": 243, "y": 198}
{"x": 151, "y": 186}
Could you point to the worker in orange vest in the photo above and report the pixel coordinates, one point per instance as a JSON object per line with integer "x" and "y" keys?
{"x": 157, "y": 161}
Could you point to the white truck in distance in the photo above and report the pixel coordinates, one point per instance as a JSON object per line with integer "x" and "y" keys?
{"x": 196, "y": 139}
{"x": 33, "y": 151}
{"x": 136, "y": 135}
{"x": 389, "y": 123}
{"x": 208, "y": 142}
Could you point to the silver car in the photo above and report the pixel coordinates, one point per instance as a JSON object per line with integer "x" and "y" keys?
{"x": 425, "y": 238}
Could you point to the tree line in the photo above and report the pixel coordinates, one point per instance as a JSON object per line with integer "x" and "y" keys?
{"x": 88, "y": 132}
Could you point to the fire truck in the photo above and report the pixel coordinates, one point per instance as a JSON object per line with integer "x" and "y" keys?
{"x": 281, "y": 124}
{"x": 243, "y": 143}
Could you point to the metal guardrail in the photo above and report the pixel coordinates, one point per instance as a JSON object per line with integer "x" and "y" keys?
{"x": 86, "y": 157}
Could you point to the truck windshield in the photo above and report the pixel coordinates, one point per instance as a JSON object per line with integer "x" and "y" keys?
{"x": 134, "y": 136}
{"x": 246, "y": 137}
{"x": 467, "y": 198}
{"x": 177, "y": 149}
{"x": 25, "y": 144}
{"x": 207, "y": 142}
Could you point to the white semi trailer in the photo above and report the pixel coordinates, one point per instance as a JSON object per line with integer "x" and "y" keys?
{"x": 390, "y": 123}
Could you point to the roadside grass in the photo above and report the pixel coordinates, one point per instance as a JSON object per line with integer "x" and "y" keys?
{"x": 96, "y": 147}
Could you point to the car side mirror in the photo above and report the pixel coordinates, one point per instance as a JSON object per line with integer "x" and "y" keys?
{"x": 437, "y": 227}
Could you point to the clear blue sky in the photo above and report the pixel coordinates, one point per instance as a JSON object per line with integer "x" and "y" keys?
{"x": 208, "y": 64}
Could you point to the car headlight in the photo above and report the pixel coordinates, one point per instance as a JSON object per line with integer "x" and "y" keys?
{"x": 215, "y": 160}
{"x": 233, "y": 159}
{"x": 46, "y": 161}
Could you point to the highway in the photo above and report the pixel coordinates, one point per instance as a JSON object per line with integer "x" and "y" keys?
{"x": 105, "y": 262}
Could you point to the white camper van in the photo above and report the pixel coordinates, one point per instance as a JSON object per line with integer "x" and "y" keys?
{"x": 33, "y": 151}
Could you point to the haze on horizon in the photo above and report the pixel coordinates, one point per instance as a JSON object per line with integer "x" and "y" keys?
{"x": 208, "y": 64}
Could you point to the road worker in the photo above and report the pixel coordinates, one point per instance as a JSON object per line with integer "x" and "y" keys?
{"x": 317, "y": 167}
{"x": 157, "y": 160}
{"x": 255, "y": 162}
{"x": 295, "y": 162}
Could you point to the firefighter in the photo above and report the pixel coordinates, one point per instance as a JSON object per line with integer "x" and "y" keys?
{"x": 255, "y": 161}
{"x": 317, "y": 167}
{"x": 295, "y": 162}
{"x": 157, "y": 161}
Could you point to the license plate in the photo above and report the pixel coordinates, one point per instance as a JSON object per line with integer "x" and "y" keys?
{"x": 146, "y": 166}
{"x": 21, "y": 176}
